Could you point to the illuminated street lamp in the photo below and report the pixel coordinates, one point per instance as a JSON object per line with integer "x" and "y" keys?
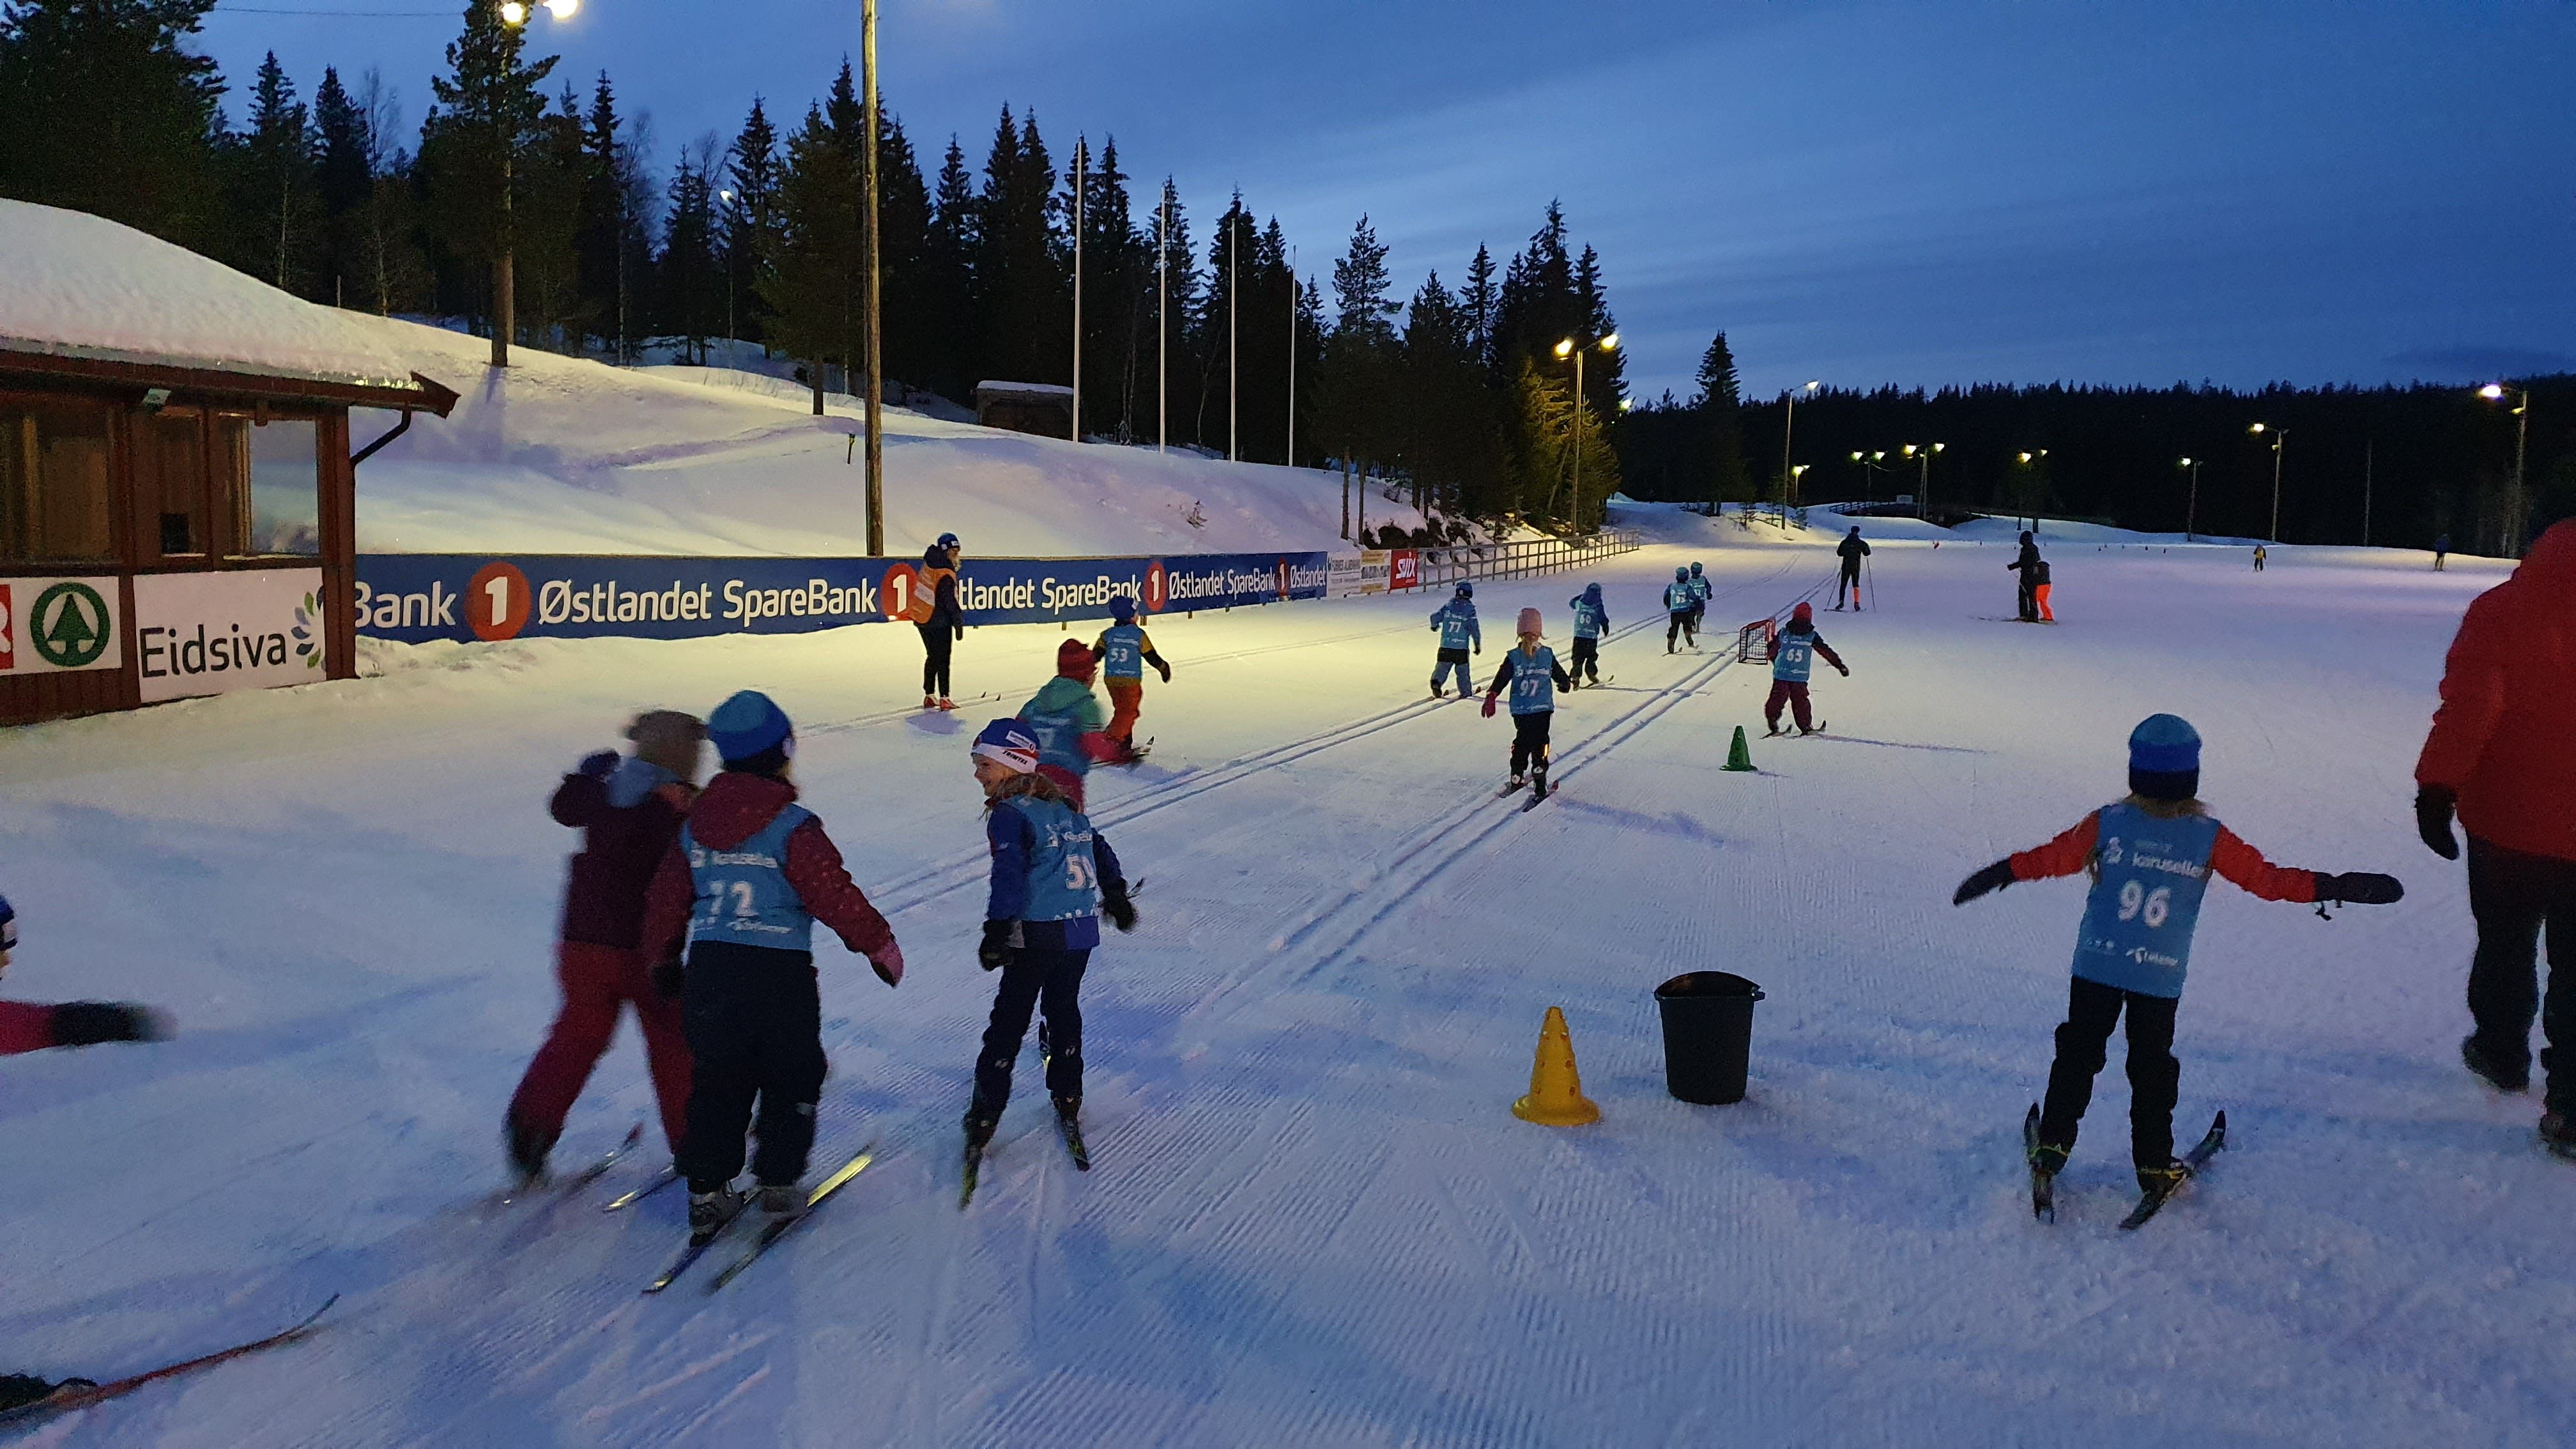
{"x": 2030, "y": 494}
{"x": 2498, "y": 392}
{"x": 1869, "y": 478}
{"x": 2280, "y": 436}
{"x": 1788, "y": 429}
{"x": 1923, "y": 489}
{"x": 2191, "y": 508}
{"x": 1568, "y": 347}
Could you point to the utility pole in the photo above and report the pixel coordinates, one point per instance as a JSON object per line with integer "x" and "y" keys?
{"x": 1080, "y": 145}
{"x": 1162, "y": 317}
{"x": 2279, "y": 437}
{"x": 2191, "y": 504}
{"x": 1292, "y": 357}
{"x": 2368, "y": 448}
{"x": 1233, "y": 297}
{"x": 875, "y": 409}
{"x": 504, "y": 267}
{"x": 1788, "y": 429}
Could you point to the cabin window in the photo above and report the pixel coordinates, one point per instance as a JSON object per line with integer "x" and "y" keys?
{"x": 170, "y": 469}
{"x": 271, "y": 473}
{"x": 54, "y": 495}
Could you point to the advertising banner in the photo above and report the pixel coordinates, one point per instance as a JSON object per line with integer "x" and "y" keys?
{"x": 419, "y": 597}
{"x": 1374, "y": 567}
{"x": 211, "y": 633}
{"x": 48, "y": 626}
{"x": 1403, "y": 568}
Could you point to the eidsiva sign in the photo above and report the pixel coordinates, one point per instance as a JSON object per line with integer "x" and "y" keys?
{"x": 48, "y": 626}
{"x": 212, "y": 633}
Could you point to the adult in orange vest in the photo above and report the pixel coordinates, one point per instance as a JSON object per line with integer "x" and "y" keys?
{"x": 936, "y": 614}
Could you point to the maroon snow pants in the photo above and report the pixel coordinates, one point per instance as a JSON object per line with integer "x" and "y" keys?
{"x": 1792, "y": 693}
{"x": 598, "y": 983}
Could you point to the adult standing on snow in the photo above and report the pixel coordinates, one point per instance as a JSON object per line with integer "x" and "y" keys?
{"x": 1792, "y": 657}
{"x": 629, "y": 811}
{"x": 1455, "y": 623}
{"x": 2441, "y": 551}
{"x": 1852, "y": 550}
{"x": 935, "y": 612}
{"x": 2502, "y": 754}
{"x": 2028, "y": 565}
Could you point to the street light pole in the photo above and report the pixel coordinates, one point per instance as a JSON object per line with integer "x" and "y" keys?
{"x": 875, "y": 408}
{"x": 1923, "y": 487}
{"x": 1081, "y": 144}
{"x": 1292, "y": 357}
{"x": 1788, "y": 429}
{"x": 2279, "y": 437}
{"x": 2495, "y": 392}
{"x": 1233, "y": 331}
{"x": 2191, "y": 504}
{"x": 1162, "y": 320}
{"x": 1570, "y": 348}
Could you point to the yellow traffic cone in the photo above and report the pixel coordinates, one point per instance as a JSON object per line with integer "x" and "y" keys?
{"x": 1738, "y": 757}
{"x": 1556, "y": 1090}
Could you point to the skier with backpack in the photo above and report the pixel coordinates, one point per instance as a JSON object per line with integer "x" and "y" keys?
{"x": 2150, "y": 856}
{"x": 1681, "y": 601}
{"x": 1455, "y": 623}
{"x": 1529, "y": 669}
{"x": 748, "y": 877}
{"x": 1851, "y": 551}
{"x": 1591, "y": 621}
{"x": 1792, "y": 659}
{"x": 1124, "y": 649}
{"x": 1053, "y": 876}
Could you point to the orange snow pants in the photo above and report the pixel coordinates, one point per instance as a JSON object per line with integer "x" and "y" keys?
{"x": 2040, "y": 596}
{"x": 1124, "y": 696}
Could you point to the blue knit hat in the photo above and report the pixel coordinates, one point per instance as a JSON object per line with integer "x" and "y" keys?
{"x": 1008, "y": 743}
{"x": 1122, "y": 608}
{"x": 746, "y": 725}
{"x": 2164, "y": 758}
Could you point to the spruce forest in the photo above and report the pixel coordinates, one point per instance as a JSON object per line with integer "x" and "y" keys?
{"x": 1455, "y": 394}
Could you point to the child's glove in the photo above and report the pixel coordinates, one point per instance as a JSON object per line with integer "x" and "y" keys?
{"x": 995, "y": 952}
{"x": 1165, "y": 669}
{"x": 87, "y": 1023}
{"x": 1489, "y": 706}
{"x": 2433, "y": 806}
{"x": 888, "y": 964}
{"x": 1120, "y": 910}
{"x": 598, "y": 764}
{"x": 1993, "y": 878}
{"x": 670, "y": 978}
{"x": 1846, "y": 669}
{"x": 2360, "y": 888}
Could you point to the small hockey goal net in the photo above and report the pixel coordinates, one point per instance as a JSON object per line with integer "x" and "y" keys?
{"x": 1753, "y": 642}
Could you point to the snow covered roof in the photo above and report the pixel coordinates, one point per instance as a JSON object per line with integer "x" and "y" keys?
{"x": 78, "y": 286}
{"x": 1042, "y": 391}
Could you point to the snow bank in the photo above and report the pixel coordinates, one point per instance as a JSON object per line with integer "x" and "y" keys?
{"x": 562, "y": 454}
{"x": 82, "y": 286}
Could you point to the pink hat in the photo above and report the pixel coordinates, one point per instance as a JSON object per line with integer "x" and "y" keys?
{"x": 1529, "y": 623}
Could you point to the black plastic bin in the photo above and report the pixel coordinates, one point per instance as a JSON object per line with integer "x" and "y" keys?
{"x": 1708, "y": 1035}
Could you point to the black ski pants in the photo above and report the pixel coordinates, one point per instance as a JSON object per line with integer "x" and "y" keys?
{"x": 1849, "y": 582}
{"x": 936, "y": 641}
{"x": 754, "y": 1018}
{"x": 1529, "y": 740}
{"x": 1587, "y": 659}
{"x": 2513, "y": 896}
{"x": 2026, "y": 599}
{"x": 2155, "y": 1078}
{"x": 1683, "y": 627}
{"x": 1034, "y": 979}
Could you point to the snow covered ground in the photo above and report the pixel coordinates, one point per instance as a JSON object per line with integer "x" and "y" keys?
{"x": 568, "y": 455}
{"x": 1314, "y": 1220}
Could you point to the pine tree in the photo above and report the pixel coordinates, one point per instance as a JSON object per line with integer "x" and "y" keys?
{"x": 1722, "y": 428}
{"x": 812, "y": 286}
{"x": 1166, "y": 363}
{"x": 912, "y": 322}
{"x": 1477, "y": 301}
{"x": 949, "y": 285}
{"x": 750, "y": 221}
{"x": 382, "y": 263}
{"x": 1022, "y": 295}
{"x": 488, "y": 111}
{"x": 689, "y": 273}
{"x": 1357, "y": 412}
{"x": 105, "y": 108}
{"x": 276, "y": 205}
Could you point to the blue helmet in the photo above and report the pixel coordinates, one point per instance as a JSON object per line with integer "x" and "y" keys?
{"x": 1681, "y": 576}
{"x": 1466, "y": 589}
{"x": 1122, "y": 609}
{"x": 1694, "y": 568}
{"x": 1592, "y": 592}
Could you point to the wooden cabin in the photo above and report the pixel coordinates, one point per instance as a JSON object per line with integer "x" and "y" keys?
{"x": 177, "y": 482}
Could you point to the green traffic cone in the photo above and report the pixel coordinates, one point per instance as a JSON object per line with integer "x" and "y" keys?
{"x": 1738, "y": 757}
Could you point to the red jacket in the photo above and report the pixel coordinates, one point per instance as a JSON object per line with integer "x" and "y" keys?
{"x": 2505, "y": 736}
{"x": 733, "y": 809}
{"x": 25, "y": 1028}
{"x": 2230, "y": 858}
{"x": 621, "y": 850}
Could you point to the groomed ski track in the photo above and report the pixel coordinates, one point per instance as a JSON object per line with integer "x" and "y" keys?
{"x": 1312, "y": 1218}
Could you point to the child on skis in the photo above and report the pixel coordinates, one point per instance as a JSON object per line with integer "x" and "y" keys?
{"x": 1066, "y": 717}
{"x": 749, "y": 875}
{"x": 26, "y": 1026}
{"x": 1792, "y": 659}
{"x": 1591, "y": 621}
{"x": 1124, "y": 650}
{"x": 2150, "y": 856}
{"x": 1701, "y": 591}
{"x": 1680, "y": 600}
{"x": 1455, "y": 623}
{"x": 629, "y": 811}
{"x": 1053, "y": 877}
{"x": 2039, "y": 592}
{"x": 1530, "y": 668}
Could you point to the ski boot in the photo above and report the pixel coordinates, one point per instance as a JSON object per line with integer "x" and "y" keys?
{"x": 528, "y": 1151}
{"x": 946, "y": 705}
{"x": 782, "y": 1201}
{"x": 2558, "y": 1134}
{"x": 2158, "y": 1183}
{"x": 2047, "y": 1159}
{"x": 710, "y": 1211}
{"x": 2497, "y": 1074}
{"x": 1538, "y": 781}
{"x": 980, "y": 1122}
{"x": 930, "y": 701}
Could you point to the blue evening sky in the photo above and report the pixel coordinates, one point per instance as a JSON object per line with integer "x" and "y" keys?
{"x": 1860, "y": 192}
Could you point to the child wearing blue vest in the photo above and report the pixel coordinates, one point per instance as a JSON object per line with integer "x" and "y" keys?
{"x": 1053, "y": 877}
{"x": 1701, "y": 590}
{"x": 1591, "y": 621}
{"x": 1455, "y": 623}
{"x": 1529, "y": 669}
{"x": 1124, "y": 649}
{"x": 750, "y": 874}
{"x": 1072, "y": 730}
{"x": 1680, "y": 599}
{"x": 1793, "y": 657}
{"x": 2151, "y": 856}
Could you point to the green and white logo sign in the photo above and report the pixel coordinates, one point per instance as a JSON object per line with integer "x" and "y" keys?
{"x": 48, "y": 626}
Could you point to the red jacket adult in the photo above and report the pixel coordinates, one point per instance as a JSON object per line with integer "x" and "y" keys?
{"x": 735, "y": 807}
{"x": 2504, "y": 740}
{"x": 621, "y": 851}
